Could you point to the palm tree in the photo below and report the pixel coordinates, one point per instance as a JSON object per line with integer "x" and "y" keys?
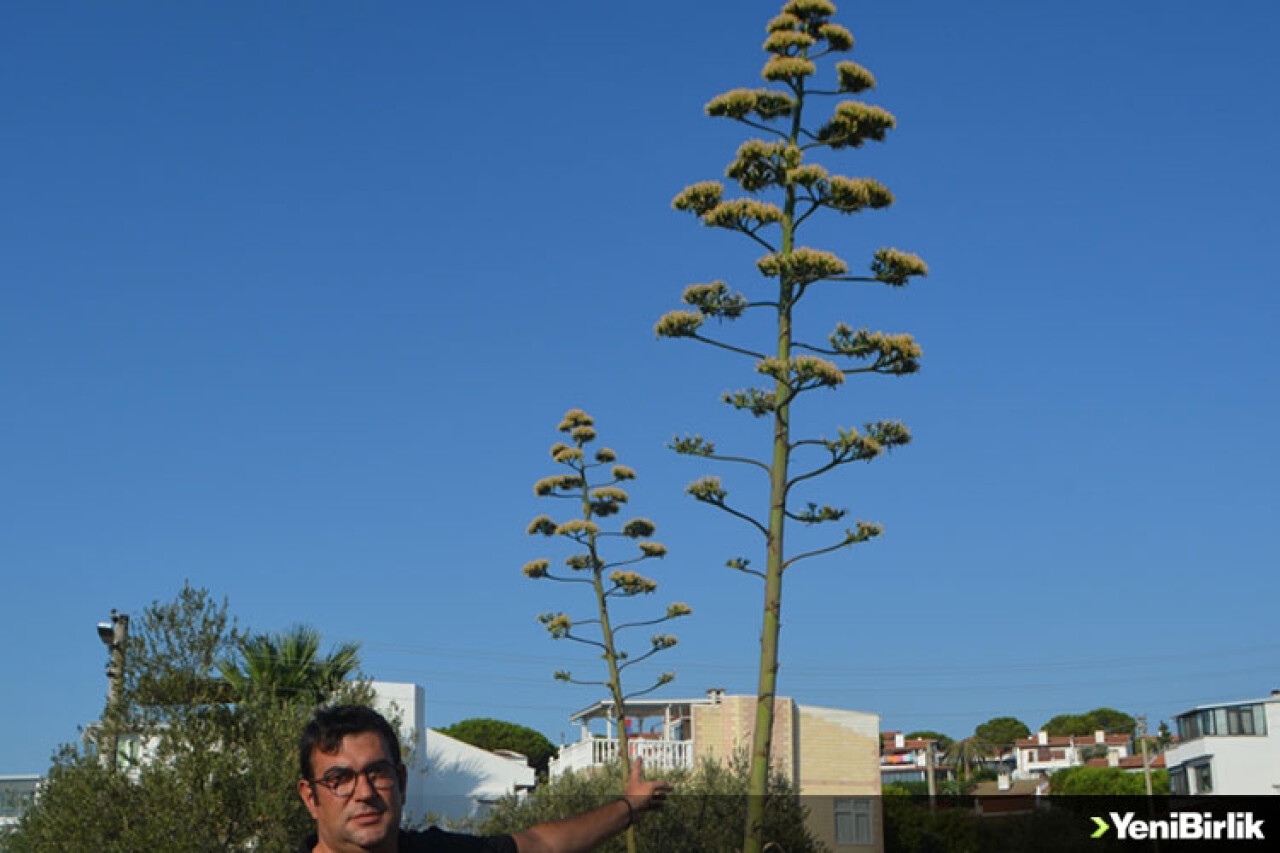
{"x": 289, "y": 665}
{"x": 965, "y": 753}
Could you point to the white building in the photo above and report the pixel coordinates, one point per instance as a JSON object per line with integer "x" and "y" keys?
{"x": 1228, "y": 748}
{"x": 17, "y": 793}
{"x": 1040, "y": 756}
{"x": 831, "y": 755}
{"x": 448, "y": 780}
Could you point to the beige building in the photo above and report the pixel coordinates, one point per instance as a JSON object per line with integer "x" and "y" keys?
{"x": 831, "y": 755}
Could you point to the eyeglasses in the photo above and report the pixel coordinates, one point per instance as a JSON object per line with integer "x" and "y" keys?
{"x": 342, "y": 780}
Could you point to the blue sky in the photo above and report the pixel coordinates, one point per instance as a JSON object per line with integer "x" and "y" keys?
{"x": 294, "y": 296}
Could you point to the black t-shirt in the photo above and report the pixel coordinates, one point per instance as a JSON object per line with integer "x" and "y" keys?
{"x": 436, "y": 840}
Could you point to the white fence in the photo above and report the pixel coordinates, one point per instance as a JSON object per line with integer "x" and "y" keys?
{"x": 596, "y": 752}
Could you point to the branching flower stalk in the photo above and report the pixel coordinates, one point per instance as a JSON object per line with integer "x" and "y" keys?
{"x": 797, "y": 39}
{"x": 593, "y": 483}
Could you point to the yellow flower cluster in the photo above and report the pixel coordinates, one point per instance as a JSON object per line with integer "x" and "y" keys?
{"x": 899, "y": 352}
{"x": 854, "y": 123}
{"x": 578, "y": 527}
{"x": 854, "y": 78}
{"x": 713, "y": 299}
{"x": 698, "y": 198}
{"x": 807, "y": 175}
{"x": 759, "y": 164}
{"x": 781, "y": 41}
{"x": 536, "y": 568}
{"x": 632, "y": 583}
{"x": 622, "y": 472}
{"x": 605, "y": 455}
{"x": 566, "y": 454}
{"x": 836, "y": 36}
{"x": 677, "y": 609}
{"x": 609, "y": 493}
{"x": 678, "y": 324}
{"x": 637, "y": 528}
{"x": 707, "y": 489}
{"x": 784, "y": 68}
{"x": 743, "y": 214}
{"x": 801, "y": 370}
{"x": 802, "y": 265}
{"x": 804, "y": 9}
{"x": 894, "y": 267}
{"x": 542, "y": 524}
{"x": 783, "y": 22}
{"x": 652, "y": 549}
{"x": 575, "y": 418}
{"x": 849, "y": 195}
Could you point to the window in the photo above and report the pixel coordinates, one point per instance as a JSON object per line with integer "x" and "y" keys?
{"x": 1246, "y": 720}
{"x": 1204, "y": 779}
{"x": 853, "y": 820}
{"x": 1237, "y": 720}
{"x": 1178, "y": 781}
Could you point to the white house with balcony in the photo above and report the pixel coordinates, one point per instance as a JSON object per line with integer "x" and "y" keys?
{"x": 660, "y": 732}
{"x": 1227, "y": 748}
{"x": 831, "y": 755}
{"x": 1040, "y": 756}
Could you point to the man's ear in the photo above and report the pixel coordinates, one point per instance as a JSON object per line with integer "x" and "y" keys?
{"x": 308, "y": 793}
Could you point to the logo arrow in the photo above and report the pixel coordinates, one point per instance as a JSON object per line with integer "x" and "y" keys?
{"x": 1103, "y": 826}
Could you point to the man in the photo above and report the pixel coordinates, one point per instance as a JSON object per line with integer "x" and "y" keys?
{"x": 353, "y": 782}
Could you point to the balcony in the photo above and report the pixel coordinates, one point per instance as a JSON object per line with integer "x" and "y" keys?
{"x": 657, "y": 753}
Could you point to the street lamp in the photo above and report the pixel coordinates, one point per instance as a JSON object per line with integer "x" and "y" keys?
{"x": 114, "y": 635}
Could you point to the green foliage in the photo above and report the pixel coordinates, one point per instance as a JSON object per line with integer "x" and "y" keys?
{"x": 1002, "y": 731}
{"x": 1099, "y": 719}
{"x": 796, "y": 39}
{"x": 500, "y": 734}
{"x": 1106, "y": 781}
{"x": 288, "y": 666}
{"x": 942, "y": 742}
{"x": 705, "y": 813}
{"x": 212, "y": 774}
{"x": 967, "y": 753}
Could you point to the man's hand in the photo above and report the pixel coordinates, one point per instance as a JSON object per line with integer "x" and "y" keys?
{"x": 644, "y": 796}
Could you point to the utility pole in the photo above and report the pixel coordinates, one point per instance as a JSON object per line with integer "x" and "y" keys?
{"x": 1146, "y": 765}
{"x": 929, "y": 769}
{"x": 115, "y": 636}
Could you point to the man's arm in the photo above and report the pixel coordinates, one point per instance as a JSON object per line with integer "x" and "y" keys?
{"x": 585, "y": 831}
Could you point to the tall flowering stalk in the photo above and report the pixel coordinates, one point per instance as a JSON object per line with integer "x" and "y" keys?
{"x": 592, "y": 483}
{"x": 777, "y": 167}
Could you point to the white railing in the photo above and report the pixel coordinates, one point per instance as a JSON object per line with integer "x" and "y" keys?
{"x": 596, "y": 752}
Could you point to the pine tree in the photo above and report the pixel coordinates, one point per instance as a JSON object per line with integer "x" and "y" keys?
{"x": 777, "y": 166}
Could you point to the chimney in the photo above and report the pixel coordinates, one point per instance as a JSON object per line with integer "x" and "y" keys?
{"x": 1099, "y": 736}
{"x": 716, "y": 695}
{"x": 1113, "y": 758}
{"x": 1042, "y": 737}
{"x": 899, "y": 740}
{"x": 1275, "y": 692}
{"x": 1003, "y": 782}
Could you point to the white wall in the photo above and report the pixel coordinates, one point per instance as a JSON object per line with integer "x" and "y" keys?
{"x": 1239, "y": 764}
{"x": 448, "y": 779}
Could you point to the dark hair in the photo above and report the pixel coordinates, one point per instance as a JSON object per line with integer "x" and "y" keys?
{"x": 328, "y": 726}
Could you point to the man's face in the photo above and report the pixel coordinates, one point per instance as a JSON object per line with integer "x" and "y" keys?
{"x": 368, "y": 819}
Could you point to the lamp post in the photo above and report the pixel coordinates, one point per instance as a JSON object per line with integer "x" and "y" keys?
{"x": 114, "y": 635}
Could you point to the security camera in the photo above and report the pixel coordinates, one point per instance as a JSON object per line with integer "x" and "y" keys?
{"x": 106, "y": 633}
